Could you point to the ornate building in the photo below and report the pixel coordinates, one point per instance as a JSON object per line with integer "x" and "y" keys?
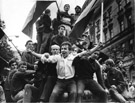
{"x": 118, "y": 29}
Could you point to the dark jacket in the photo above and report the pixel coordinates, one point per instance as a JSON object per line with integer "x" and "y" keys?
{"x": 86, "y": 67}
{"x": 56, "y": 39}
{"x": 47, "y": 23}
{"x": 29, "y": 58}
{"x": 19, "y": 80}
{"x": 115, "y": 77}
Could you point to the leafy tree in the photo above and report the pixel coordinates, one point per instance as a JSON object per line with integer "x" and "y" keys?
{"x": 5, "y": 49}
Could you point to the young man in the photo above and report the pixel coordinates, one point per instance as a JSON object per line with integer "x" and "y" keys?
{"x": 115, "y": 81}
{"x": 46, "y": 90}
{"x": 65, "y": 19}
{"x": 65, "y": 74}
{"x": 85, "y": 67}
{"x": 47, "y": 33}
{"x": 51, "y": 76}
{"x": 120, "y": 66}
{"x": 19, "y": 80}
{"x": 27, "y": 57}
{"x": 77, "y": 13}
{"x": 60, "y": 37}
{"x": 13, "y": 65}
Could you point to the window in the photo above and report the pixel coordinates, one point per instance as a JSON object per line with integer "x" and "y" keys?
{"x": 105, "y": 34}
{"x": 98, "y": 25}
{"x": 105, "y": 37}
{"x": 108, "y": 37}
{"x": 105, "y": 19}
{"x": 109, "y": 12}
{"x": 131, "y": 44}
{"x": 129, "y": 19}
{"x": 111, "y": 33}
{"x": 121, "y": 25}
{"x": 123, "y": 46}
{"x": 120, "y": 5}
{"x": 98, "y": 38}
{"x": 111, "y": 30}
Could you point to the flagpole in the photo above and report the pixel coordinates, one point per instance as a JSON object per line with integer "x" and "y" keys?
{"x": 101, "y": 21}
{"x": 57, "y": 6}
{"x": 4, "y": 59}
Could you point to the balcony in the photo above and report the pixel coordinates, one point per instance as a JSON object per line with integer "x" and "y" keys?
{"x": 105, "y": 30}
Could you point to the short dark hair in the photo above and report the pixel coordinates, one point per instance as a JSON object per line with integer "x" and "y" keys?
{"x": 67, "y": 43}
{"x": 66, "y": 5}
{"x": 78, "y": 7}
{"x": 110, "y": 62}
{"x": 12, "y": 61}
{"x": 22, "y": 63}
{"x": 47, "y": 11}
{"x": 28, "y": 42}
{"x": 61, "y": 26}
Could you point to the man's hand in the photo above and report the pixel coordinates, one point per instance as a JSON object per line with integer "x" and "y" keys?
{"x": 107, "y": 91}
{"x": 113, "y": 86}
{"x": 29, "y": 50}
{"x": 35, "y": 67}
{"x": 46, "y": 55}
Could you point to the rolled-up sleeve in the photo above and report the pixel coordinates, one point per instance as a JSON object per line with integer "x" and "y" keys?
{"x": 52, "y": 59}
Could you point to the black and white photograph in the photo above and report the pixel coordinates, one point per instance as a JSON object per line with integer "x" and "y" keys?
{"x": 67, "y": 51}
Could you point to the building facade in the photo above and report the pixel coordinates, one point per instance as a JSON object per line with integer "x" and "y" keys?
{"x": 118, "y": 30}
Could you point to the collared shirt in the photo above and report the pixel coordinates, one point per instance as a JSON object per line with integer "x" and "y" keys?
{"x": 64, "y": 66}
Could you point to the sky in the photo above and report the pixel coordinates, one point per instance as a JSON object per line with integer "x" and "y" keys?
{"x": 15, "y": 12}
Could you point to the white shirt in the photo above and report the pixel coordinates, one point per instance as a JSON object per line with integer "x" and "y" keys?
{"x": 64, "y": 66}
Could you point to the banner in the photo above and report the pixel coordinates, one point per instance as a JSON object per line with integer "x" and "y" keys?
{"x": 83, "y": 20}
{"x": 34, "y": 14}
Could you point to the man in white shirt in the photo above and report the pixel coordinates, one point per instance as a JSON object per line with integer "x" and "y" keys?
{"x": 65, "y": 73}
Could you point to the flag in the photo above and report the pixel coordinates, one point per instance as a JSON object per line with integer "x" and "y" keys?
{"x": 86, "y": 4}
{"x": 34, "y": 14}
{"x": 1, "y": 33}
{"x": 83, "y": 20}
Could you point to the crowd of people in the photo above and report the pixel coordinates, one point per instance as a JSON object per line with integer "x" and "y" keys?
{"x": 59, "y": 71}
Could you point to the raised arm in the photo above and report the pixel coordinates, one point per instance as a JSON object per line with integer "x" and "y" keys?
{"x": 88, "y": 51}
{"x": 39, "y": 55}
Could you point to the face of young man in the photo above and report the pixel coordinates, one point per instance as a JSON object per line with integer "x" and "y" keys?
{"x": 23, "y": 68}
{"x": 30, "y": 46}
{"x": 67, "y": 7}
{"x": 65, "y": 50}
{"x": 108, "y": 67}
{"x": 61, "y": 31}
{"x": 55, "y": 50}
{"x": 77, "y": 10}
{"x": 13, "y": 66}
{"x": 95, "y": 55}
